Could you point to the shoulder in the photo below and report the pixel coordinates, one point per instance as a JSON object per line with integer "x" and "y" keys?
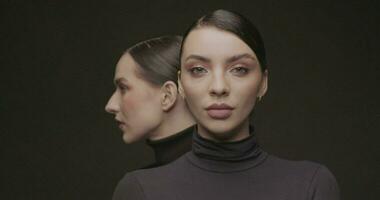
{"x": 302, "y": 168}
{"x": 145, "y": 176}
{"x": 147, "y": 183}
{"x": 158, "y": 172}
{"x": 318, "y": 180}
{"x": 323, "y": 185}
{"x": 128, "y": 188}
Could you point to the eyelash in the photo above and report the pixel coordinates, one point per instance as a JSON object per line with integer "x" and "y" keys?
{"x": 122, "y": 88}
{"x": 198, "y": 70}
{"x": 241, "y": 70}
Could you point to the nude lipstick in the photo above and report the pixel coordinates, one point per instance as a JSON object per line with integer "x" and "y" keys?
{"x": 219, "y": 111}
{"x": 120, "y": 124}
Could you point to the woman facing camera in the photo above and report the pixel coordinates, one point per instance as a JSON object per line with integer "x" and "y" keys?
{"x": 146, "y": 103}
{"x": 222, "y": 76}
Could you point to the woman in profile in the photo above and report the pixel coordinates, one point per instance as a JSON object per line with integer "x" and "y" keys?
{"x": 222, "y": 76}
{"x": 146, "y": 103}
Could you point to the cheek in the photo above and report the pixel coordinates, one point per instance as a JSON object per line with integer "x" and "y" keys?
{"x": 127, "y": 104}
{"x": 247, "y": 93}
{"x": 193, "y": 92}
{"x": 249, "y": 90}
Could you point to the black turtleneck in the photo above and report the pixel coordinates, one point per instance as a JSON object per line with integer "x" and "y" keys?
{"x": 170, "y": 148}
{"x": 230, "y": 170}
{"x": 165, "y": 150}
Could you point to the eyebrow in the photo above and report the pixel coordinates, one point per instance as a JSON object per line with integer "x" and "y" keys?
{"x": 198, "y": 57}
{"x": 229, "y": 60}
{"x": 120, "y": 80}
{"x": 241, "y": 56}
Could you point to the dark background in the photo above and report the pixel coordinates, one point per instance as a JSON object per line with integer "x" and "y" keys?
{"x": 57, "y": 63}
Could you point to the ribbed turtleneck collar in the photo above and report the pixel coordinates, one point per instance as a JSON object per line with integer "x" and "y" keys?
{"x": 226, "y": 156}
{"x": 170, "y": 148}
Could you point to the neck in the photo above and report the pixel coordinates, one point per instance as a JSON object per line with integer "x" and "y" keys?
{"x": 237, "y": 133}
{"x": 175, "y": 120}
{"x": 226, "y": 157}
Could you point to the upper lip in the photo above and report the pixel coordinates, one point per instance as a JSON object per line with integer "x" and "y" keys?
{"x": 119, "y": 121}
{"x": 220, "y": 106}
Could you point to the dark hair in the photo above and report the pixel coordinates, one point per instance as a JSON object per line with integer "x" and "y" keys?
{"x": 157, "y": 58}
{"x": 234, "y": 23}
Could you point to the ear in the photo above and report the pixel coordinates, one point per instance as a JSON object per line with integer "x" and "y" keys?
{"x": 264, "y": 85}
{"x": 180, "y": 88}
{"x": 168, "y": 95}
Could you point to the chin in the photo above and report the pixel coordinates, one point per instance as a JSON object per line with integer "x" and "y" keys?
{"x": 223, "y": 130}
{"x": 220, "y": 130}
{"x": 128, "y": 139}
{"x": 134, "y": 135}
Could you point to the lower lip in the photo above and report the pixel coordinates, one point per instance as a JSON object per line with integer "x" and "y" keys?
{"x": 219, "y": 113}
{"x": 121, "y": 126}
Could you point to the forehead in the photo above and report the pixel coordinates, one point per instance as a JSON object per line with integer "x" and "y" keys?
{"x": 126, "y": 67}
{"x": 213, "y": 42}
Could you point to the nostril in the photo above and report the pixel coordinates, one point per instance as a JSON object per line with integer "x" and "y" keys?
{"x": 109, "y": 109}
{"x": 220, "y": 90}
{"x": 219, "y": 86}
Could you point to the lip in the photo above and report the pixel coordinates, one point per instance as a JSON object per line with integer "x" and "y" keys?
{"x": 219, "y": 111}
{"x": 120, "y": 123}
{"x": 221, "y": 106}
{"x": 119, "y": 120}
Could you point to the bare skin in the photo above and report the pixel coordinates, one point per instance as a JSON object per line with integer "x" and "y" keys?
{"x": 221, "y": 79}
{"x": 144, "y": 110}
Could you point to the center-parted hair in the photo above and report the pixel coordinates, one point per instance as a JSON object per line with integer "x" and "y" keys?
{"x": 234, "y": 23}
{"x": 157, "y": 59}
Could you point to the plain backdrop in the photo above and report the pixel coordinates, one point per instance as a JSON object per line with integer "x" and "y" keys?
{"x": 57, "y": 63}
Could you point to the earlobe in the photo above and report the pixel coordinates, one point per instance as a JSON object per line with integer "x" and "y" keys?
{"x": 264, "y": 85}
{"x": 169, "y": 95}
{"x": 180, "y": 89}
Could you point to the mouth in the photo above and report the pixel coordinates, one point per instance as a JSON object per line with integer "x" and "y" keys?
{"x": 120, "y": 123}
{"x": 219, "y": 111}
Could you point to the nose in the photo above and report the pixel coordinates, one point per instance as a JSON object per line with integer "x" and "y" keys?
{"x": 112, "y": 106}
{"x": 219, "y": 85}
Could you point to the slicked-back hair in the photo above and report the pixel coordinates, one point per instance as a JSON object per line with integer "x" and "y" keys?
{"x": 234, "y": 23}
{"x": 157, "y": 59}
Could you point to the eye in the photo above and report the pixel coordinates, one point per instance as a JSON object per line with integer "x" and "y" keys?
{"x": 240, "y": 70}
{"x": 123, "y": 88}
{"x": 197, "y": 70}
